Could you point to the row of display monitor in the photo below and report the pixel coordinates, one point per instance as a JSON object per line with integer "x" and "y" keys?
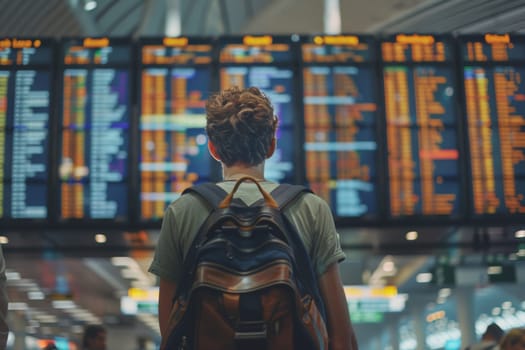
{"x": 409, "y": 126}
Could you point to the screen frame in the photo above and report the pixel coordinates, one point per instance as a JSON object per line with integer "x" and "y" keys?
{"x": 460, "y": 40}
{"x": 452, "y": 64}
{"x": 51, "y": 68}
{"x": 373, "y": 65}
{"x": 126, "y": 222}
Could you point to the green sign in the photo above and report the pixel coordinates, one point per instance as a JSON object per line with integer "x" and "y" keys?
{"x": 366, "y": 317}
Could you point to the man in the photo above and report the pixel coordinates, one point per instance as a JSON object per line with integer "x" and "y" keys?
{"x": 241, "y": 128}
{"x": 94, "y": 338}
{"x": 489, "y": 340}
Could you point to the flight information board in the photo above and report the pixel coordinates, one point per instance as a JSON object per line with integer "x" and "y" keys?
{"x": 266, "y": 62}
{"x": 25, "y": 96}
{"x": 494, "y": 90}
{"x": 175, "y": 82}
{"x": 95, "y": 122}
{"x": 340, "y": 120}
{"x": 424, "y": 175}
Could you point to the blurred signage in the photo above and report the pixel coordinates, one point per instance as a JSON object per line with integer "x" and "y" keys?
{"x": 369, "y": 299}
{"x": 366, "y": 317}
{"x": 140, "y": 301}
{"x": 391, "y": 304}
{"x": 370, "y": 292}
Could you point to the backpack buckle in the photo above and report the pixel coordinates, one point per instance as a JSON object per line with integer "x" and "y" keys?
{"x": 247, "y": 331}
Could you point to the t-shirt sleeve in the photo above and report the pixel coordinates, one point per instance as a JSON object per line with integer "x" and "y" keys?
{"x": 326, "y": 244}
{"x": 167, "y": 261}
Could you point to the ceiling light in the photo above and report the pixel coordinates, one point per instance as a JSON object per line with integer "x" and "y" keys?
{"x": 121, "y": 260}
{"x": 506, "y": 305}
{"x": 35, "y": 296}
{"x": 90, "y": 5}
{"x": 388, "y": 266}
{"x": 519, "y": 234}
{"x": 64, "y": 304}
{"x": 129, "y": 274}
{"x": 496, "y": 311}
{"x": 495, "y": 270}
{"x": 444, "y": 292}
{"x": 411, "y": 235}
{"x": 424, "y": 277}
{"x": 100, "y": 238}
{"x": 17, "y": 306}
{"x": 47, "y": 318}
{"x": 12, "y": 276}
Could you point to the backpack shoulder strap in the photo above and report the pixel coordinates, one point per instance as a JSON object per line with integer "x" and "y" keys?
{"x": 209, "y": 191}
{"x": 285, "y": 194}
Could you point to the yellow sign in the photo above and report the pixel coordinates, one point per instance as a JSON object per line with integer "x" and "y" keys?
{"x": 350, "y": 40}
{"x": 370, "y": 292}
{"x": 497, "y": 38}
{"x": 415, "y": 39}
{"x": 96, "y": 42}
{"x": 182, "y": 41}
{"x": 19, "y": 43}
{"x": 257, "y": 40}
{"x": 143, "y": 294}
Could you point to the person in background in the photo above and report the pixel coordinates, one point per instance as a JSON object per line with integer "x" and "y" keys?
{"x": 94, "y": 338}
{"x": 241, "y": 127}
{"x": 490, "y": 339}
{"x": 50, "y": 346}
{"x": 4, "y": 328}
{"x": 513, "y": 340}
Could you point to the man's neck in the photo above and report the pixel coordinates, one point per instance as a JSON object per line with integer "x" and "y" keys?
{"x": 235, "y": 172}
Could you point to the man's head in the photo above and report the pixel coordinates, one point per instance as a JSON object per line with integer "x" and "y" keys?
{"x": 241, "y": 126}
{"x": 94, "y": 338}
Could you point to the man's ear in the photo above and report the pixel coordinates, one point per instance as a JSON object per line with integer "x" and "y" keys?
{"x": 271, "y": 150}
{"x": 213, "y": 151}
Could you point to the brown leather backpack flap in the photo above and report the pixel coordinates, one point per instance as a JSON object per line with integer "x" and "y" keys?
{"x": 216, "y": 277}
{"x": 278, "y": 311}
{"x": 214, "y": 330}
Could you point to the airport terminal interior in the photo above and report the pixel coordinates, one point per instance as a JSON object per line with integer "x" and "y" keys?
{"x": 406, "y": 116}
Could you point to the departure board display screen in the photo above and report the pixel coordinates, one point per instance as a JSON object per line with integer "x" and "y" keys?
{"x": 494, "y": 90}
{"x": 266, "y": 62}
{"x": 25, "y": 96}
{"x": 340, "y": 120}
{"x": 175, "y": 82}
{"x": 424, "y": 175}
{"x": 95, "y": 122}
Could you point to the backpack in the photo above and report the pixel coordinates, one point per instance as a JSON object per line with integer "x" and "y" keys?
{"x": 250, "y": 282}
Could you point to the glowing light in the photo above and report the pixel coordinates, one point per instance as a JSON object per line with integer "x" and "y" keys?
{"x": 90, "y": 5}
{"x": 100, "y": 238}
{"x": 425, "y": 277}
{"x": 411, "y": 236}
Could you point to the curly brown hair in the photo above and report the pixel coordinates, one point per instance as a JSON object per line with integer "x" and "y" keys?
{"x": 241, "y": 124}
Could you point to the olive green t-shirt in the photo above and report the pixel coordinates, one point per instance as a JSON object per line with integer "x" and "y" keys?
{"x": 310, "y": 214}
